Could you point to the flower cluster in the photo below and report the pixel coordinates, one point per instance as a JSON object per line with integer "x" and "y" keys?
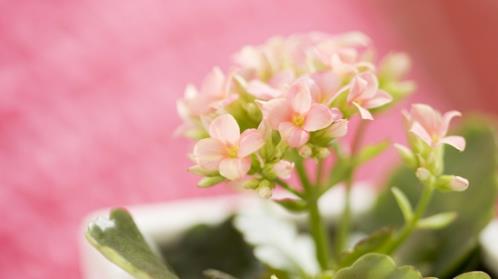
{"x": 427, "y": 134}
{"x": 289, "y": 96}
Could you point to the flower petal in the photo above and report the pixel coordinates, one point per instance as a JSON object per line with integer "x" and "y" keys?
{"x": 292, "y": 135}
{"x": 276, "y": 111}
{"x": 339, "y": 128}
{"x": 428, "y": 117}
{"x": 301, "y": 96}
{"x": 251, "y": 141}
{"x": 318, "y": 117}
{"x": 262, "y": 90}
{"x": 455, "y": 141}
{"x": 225, "y": 129}
{"x": 283, "y": 169}
{"x": 208, "y": 153}
{"x": 235, "y": 168}
{"x": 447, "y": 117}
{"x": 421, "y": 133}
{"x": 214, "y": 82}
{"x": 380, "y": 99}
{"x": 364, "y": 113}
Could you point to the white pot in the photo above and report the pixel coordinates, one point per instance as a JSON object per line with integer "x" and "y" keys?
{"x": 166, "y": 222}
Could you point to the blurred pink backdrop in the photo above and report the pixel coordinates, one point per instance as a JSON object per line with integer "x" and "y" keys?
{"x": 88, "y": 91}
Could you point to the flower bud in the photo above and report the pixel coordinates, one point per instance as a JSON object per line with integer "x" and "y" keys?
{"x": 407, "y": 155}
{"x": 265, "y": 189}
{"x": 452, "y": 183}
{"x": 423, "y": 174}
{"x": 251, "y": 183}
{"x": 305, "y": 151}
{"x": 209, "y": 181}
{"x": 322, "y": 152}
{"x": 283, "y": 169}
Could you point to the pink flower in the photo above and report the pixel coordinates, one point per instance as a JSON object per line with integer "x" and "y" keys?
{"x": 227, "y": 150}
{"x": 431, "y": 127}
{"x": 325, "y": 87}
{"x": 283, "y": 169}
{"x": 213, "y": 94}
{"x": 365, "y": 94}
{"x": 273, "y": 88}
{"x": 297, "y": 115}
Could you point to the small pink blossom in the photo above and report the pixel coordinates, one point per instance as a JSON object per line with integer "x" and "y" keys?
{"x": 365, "y": 94}
{"x": 273, "y": 88}
{"x": 325, "y": 86}
{"x": 431, "y": 127}
{"x": 227, "y": 150}
{"x": 283, "y": 169}
{"x": 214, "y": 94}
{"x": 296, "y": 115}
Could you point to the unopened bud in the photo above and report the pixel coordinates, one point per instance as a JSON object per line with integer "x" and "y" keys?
{"x": 251, "y": 183}
{"x": 209, "y": 181}
{"x": 322, "y": 153}
{"x": 305, "y": 151}
{"x": 283, "y": 169}
{"x": 452, "y": 183}
{"x": 407, "y": 155}
{"x": 264, "y": 189}
{"x": 423, "y": 174}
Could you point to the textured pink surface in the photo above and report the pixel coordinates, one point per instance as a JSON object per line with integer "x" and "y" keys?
{"x": 87, "y": 105}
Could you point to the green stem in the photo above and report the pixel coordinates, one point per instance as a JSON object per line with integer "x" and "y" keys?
{"x": 319, "y": 234}
{"x": 345, "y": 223}
{"x": 316, "y": 225}
{"x": 410, "y": 226}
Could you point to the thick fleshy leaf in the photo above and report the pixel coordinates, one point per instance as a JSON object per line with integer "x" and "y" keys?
{"x": 439, "y": 253}
{"x": 473, "y": 275}
{"x": 377, "y": 266}
{"x": 119, "y": 240}
{"x": 367, "y": 245}
{"x": 225, "y": 129}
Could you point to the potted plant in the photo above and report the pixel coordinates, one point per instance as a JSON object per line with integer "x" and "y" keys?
{"x": 281, "y": 111}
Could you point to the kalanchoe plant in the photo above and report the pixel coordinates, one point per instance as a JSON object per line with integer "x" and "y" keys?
{"x": 286, "y": 105}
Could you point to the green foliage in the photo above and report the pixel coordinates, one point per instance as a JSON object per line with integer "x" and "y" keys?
{"x": 440, "y": 252}
{"x": 208, "y": 247}
{"x": 437, "y": 221}
{"x": 367, "y": 245}
{"x": 120, "y": 241}
{"x": 473, "y": 275}
{"x": 403, "y": 203}
{"x": 377, "y": 266}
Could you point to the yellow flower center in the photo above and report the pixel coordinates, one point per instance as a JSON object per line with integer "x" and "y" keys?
{"x": 298, "y": 120}
{"x": 232, "y": 151}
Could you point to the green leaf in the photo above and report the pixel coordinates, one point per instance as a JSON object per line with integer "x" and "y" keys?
{"x": 292, "y": 205}
{"x": 365, "y": 246}
{"x": 377, "y": 266}
{"x": 209, "y": 181}
{"x": 437, "y": 221}
{"x": 403, "y": 203}
{"x": 371, "y": 151}
{"x": 120, "y": 241}
{"x": 440, "y": 252}
{"x": 473, "y": 275}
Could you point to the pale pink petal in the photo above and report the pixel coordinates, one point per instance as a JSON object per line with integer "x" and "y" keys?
{"x": 235, "y": 168}
{"x": 208, "y": 153}
{"x": 455, "y": 141}
{"x": 276, "y": 111}
{"x": 300, "y": 97}
{"x": 225, "y": 129}
{"x": 282, "y": 79}
{"x": 429, "y": 118}
{"x": 358, "y": 85}
{"x": 292, "y": 135}
{"x": 459, "y": 183}
{"x": 421, "y": 133}
{"x": 262, "y": 90}
{"x": 319, "y": 117}
{"x": 283, "y": 169}
{"x": 251, "y": 141}
{"x": 328, "y": 83}
{"x": 372, "y": 85}
{"x": 364, "y": 113}
{"x": 336, "y": 113}
{"x": 380, "y": 99}
{"x": 339, "y": 128}
{"x": 447, "y": 117}
{"x": 214, "y": 83}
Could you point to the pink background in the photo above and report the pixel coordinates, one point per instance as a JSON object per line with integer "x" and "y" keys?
{"x": 88, "y": 91}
